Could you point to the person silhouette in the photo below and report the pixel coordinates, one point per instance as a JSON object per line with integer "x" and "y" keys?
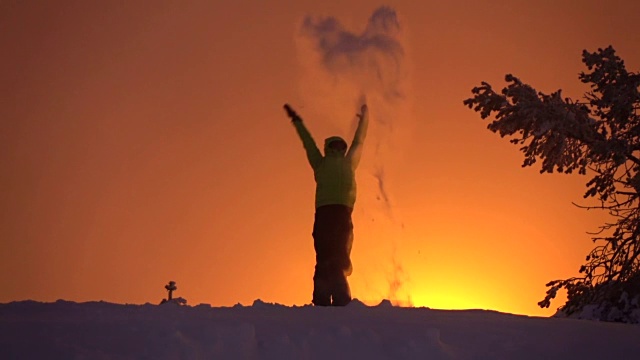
{"x": 334, "y": 201}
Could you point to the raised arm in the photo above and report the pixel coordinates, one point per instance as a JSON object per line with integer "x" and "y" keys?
{"x": 313, "y": 153}
{"x": 355, "y": 151}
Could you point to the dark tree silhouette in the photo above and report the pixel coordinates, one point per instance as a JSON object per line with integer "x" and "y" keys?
{"x": 598, "y": 136}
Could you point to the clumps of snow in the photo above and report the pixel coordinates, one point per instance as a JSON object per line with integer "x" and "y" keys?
{"x": 385, "y": 303}
{"x": 175, "y": 301}
{"x": 261, "y": 304}
{"x": 625, "y": 310}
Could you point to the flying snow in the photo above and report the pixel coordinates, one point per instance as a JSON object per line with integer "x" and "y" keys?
{"x": 373, "y": 60}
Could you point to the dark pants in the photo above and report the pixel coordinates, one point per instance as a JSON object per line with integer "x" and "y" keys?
{"x": 332, "y": 239}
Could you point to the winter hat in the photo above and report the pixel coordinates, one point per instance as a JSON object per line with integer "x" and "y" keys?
{"x": 332, "y": 139}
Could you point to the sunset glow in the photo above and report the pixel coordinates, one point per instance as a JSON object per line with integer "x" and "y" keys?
{"x": 145, "y": 142}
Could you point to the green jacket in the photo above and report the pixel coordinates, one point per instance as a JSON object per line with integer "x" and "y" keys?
{"x": 335, "y": 171}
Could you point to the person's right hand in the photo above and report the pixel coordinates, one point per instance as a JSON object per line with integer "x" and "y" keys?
{"x": 291, "y": 113}
{"x": 363, "y": 111}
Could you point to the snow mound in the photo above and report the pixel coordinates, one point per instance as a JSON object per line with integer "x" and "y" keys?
{"x": 100, "y": 330}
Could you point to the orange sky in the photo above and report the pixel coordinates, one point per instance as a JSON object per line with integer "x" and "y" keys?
{"x": 145, "y": 141}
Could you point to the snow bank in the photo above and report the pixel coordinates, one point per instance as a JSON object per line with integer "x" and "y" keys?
{"x": 99, "y": 330}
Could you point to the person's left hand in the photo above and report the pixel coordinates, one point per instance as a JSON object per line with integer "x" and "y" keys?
{"x": 291, "y": 113}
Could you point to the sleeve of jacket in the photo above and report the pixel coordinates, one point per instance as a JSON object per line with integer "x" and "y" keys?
{"x": 313, "y": 153}
{"x": 355, "y": 150}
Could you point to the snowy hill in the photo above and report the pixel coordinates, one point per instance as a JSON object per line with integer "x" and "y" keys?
{"x": 99, "y": 330}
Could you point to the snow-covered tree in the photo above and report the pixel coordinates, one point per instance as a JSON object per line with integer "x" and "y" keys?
{"x": 598, "y": 136}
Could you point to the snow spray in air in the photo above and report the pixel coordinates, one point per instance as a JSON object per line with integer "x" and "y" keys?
{"x": 343, "y": 69}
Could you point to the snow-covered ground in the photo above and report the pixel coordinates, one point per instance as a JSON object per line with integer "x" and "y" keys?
{"x": 99, "y": 330}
